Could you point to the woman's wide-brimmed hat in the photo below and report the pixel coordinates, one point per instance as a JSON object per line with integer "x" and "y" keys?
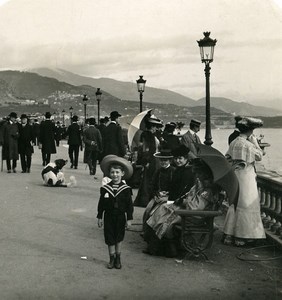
{"x": 164, "y": 154}
{"x": 110, "y": 160}
{"x": 250, "y": 122}
{"x": 24, "y": 116}
{"x": 182, "y": 150}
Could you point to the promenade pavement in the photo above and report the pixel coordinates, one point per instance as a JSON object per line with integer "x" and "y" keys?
{"x": 45, "y": 232}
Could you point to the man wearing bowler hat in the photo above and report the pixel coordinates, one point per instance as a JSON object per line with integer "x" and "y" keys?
{"x": 47, "y": 139}
{"x": 10, "y": 142}
{"x": 74, "y": 141}
{"x": 190, "y": 139}
{"x": 114, "y": 142}
{"x": 26, "y": 142}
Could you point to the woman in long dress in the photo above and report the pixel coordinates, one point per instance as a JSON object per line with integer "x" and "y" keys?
{"x": 243, "y": 223}
{"x": 148, "y": 146}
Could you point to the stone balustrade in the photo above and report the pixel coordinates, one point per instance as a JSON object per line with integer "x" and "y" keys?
{"x": 270, "y": 191}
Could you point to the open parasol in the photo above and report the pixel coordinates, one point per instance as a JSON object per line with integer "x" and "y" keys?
{"x": 223, "y": 174}
{"x": 136, "y": 127}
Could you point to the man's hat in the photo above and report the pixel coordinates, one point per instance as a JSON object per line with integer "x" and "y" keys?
{"x": 164, "y": 153}
{"x": 48, "y": 115}
{"x": 13, "y": 115}
{"x": 92, "y": 121}
{"x": 114, "y": 114}
{"x": 195, "y": 122}
{"x": 182, "y": 150}
{"x": 75, "y": 118}
{"x": 113, "y": 159}
{"x": 24, "y": 116}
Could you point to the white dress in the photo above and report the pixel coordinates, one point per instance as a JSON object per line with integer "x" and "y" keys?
{"x": 245, "y": 221}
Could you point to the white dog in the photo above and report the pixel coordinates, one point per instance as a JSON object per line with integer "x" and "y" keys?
{"x": 53, "y": 176}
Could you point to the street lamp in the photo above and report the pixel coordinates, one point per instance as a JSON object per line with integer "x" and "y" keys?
{"x": 141, "y": 88}
{"x": 63, "y": 112}
{"x": 85, "y": 99}
{"x": 206, "y": 50}
{"x": 98, "y": 97}
{"x": 71, "y": 111}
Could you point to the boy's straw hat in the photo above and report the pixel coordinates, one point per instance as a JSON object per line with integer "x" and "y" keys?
{"x": 113, "y": 159}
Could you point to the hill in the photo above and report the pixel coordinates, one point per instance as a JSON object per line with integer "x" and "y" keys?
{"x": 240, "y": 108}
{"x": 120, "y": 89}
{"x": 28, "y": 92}
{"x": 128, "y": 91}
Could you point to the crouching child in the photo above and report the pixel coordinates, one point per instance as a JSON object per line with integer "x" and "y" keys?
{"x": 115, "y": 207}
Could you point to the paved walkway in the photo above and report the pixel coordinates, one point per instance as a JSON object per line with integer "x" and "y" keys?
{"x": 45, "y": 232}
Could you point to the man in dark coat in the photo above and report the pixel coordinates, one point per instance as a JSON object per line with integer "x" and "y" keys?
{"x": 58, "y": 133}
{"x": 93, "y": 145}
{"x": 47, "y": 139}
{"x": 102, "y": 128}
{"x": 74, "y": 141}
{"x": 35, "y": 128}
{"x": 10, "y": 142}
{"x": 114, "y": 142}
{"x": 26, "y": 142}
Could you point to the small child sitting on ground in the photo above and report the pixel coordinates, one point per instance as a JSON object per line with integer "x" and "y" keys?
{"x": 115, "y": 205}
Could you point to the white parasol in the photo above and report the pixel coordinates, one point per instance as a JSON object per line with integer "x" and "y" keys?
{"x": 136, "y": 127}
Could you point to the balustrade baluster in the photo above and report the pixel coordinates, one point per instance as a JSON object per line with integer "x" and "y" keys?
{"x": 267, "y": 199}
{"x": 272, "y": 201}
{"x": 278, "y": 208}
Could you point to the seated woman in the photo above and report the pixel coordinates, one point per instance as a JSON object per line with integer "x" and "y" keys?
{"x": 162, "y": 220}
{"x": 161, "y": 182}
{"x": 183, "y": 178}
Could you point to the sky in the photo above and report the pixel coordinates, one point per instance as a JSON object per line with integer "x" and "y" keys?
{"x": 154, "y": 38}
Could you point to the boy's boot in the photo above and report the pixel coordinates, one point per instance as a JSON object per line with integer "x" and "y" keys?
{"x": 111, "y": 264}
{"x": 117, "y": 261}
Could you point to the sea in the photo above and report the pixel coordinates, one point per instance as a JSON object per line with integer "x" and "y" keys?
{"x": 271, "y": 161}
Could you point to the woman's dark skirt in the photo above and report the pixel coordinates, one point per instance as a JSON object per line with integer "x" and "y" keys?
{"x": 114, "y": 227}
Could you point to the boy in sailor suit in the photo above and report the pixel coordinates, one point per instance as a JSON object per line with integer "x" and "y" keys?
{"x": 115, "y": 205}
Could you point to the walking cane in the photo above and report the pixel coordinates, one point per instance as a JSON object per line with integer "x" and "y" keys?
{"x": 1, "y": 159}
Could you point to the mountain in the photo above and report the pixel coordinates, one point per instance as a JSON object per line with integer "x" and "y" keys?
{"x": 27, "y": 92}
{"x": 120, "y": 89}
{"x": 239, "y": 108}
{"x": 128, "y": 91}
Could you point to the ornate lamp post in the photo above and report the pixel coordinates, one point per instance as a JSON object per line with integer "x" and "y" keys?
{"x": 63, "y": 112}
{"x": 71, "y": 111}
{"x": 206, "y": 50}
{"x": 98, "y": 98}
{"x": 85, "y": 99}
{"x": 141, "y": 88}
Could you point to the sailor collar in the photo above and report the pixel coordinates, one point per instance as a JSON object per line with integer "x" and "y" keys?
{"x": 115, "y": 190}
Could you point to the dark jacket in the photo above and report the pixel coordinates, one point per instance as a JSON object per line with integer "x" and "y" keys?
{"x": 115, "y": 201}
{"x": 26, "y": 139}
{"x": 10, "y": 140}
{"x": 114, "y": 143}
{"x": 91, "y": 134}
{"x": 47, "y": 136}
{"x": 74, "y": 134}
{"x": 182, "y": 181}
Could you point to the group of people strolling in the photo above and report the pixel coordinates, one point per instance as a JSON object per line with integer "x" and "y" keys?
{"x": 173, "y": 176}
